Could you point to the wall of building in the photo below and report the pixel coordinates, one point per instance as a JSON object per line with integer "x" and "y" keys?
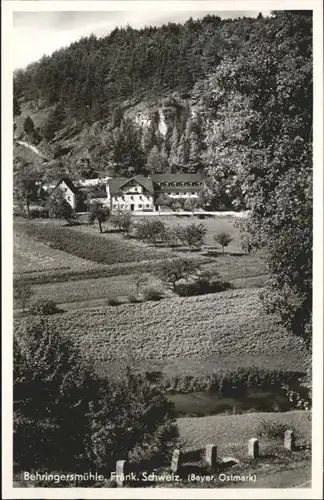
{"x": 68, "y": 194}
{"x": 185, "y": 194}
{"x": 132, "y": 199}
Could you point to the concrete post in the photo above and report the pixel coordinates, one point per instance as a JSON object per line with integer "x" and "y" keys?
{"x": 211, "y": 455}
{"x": 120, "y": 473}
{"x": 289, "y": 440}
{"x": 253, "y": 448}
{"x": 175, "y": 462}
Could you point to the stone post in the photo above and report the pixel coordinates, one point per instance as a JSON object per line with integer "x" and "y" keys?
{"x": 120, "y": 473}
{"x": 211, "y": 455}
{"x": 253, "y": 448}
{"x": 289, "y": 440}
{"x": 175, "y": 462}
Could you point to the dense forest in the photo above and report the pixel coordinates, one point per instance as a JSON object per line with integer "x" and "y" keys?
{"x": 86, "y": 93}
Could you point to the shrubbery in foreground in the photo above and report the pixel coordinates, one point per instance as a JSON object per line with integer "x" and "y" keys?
{"x": 67, "y": 419}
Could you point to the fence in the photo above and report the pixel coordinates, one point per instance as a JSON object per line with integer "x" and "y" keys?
{"x": 211, "y": 459}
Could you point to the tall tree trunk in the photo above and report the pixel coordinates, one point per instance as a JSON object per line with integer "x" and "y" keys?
{"x": 100, "y": 226}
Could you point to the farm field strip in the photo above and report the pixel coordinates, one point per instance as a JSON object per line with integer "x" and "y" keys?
{"x": 32, "y": 256}
{"x": 229, "y": 323}
{"x": 93, "y": 247}
{"x": 88, "y": 289}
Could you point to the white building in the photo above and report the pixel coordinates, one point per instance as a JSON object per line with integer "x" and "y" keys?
{"x": 177, "y": 185}
{"x": 135, "y": 194}
{"x": 70, "y": 191}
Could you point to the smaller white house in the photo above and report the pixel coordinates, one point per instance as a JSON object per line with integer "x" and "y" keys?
{"x": 69, "y": 190}
{"x": 135, "y": 194}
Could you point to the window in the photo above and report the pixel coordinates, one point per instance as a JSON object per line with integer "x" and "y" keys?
{"x": 141, "y": 197}
{"x": 139, "y": 206}
{"x": 115, "y": 198}
{"x": 147, "y": 206}
{"x": 69, "y": 198}
{"x": 114, "y": 206}
{"x": 132, "y": 197}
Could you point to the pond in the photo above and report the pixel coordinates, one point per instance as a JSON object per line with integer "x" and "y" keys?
{"x": 204, "y": 403}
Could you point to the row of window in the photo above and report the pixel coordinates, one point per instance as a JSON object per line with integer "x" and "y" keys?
{"x": 179, "y": 184}
{"x": 185, "y": 194}
{"x": 126, "y": 206}
{"x": 130, "y": 197}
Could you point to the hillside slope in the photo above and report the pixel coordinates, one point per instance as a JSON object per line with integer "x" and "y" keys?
{"x": 126, "y": 103}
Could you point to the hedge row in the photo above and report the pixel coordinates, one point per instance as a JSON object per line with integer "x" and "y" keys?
{"x": 230, "y": 382}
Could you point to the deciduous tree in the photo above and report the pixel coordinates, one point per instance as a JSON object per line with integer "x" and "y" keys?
{"x": 99, "y": 213}
{"x": 223, "y": 238}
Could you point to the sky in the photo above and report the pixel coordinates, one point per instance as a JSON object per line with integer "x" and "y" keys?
{"x": 39, "y": 33}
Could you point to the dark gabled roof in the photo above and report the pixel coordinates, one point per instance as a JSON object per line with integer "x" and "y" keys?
{"x": 176, "y": 178}
{"x": 146, "y": 183}
{"x": 115, "y": 185}
{"x": 69, "y": 184}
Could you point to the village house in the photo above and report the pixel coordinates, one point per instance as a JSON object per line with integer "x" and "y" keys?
{"x": 135, "y": 194}
{"x": 71, "y": 193}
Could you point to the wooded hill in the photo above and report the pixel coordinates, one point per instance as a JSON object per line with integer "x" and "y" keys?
{"x": 157, "y": 99}
{"x": 127, "y": 99}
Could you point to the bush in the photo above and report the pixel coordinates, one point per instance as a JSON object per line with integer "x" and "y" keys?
{"x": 113, "y": 302}
{"x": 190, "y": 204}
{"x": 22, "y": 293}
{"x": 150, "y": 231}
{"x": 271, "y": 430}
{"x": 151, "y": 293}
{"x": 193, "y": 235}
{"x": 43, "y": 307}
{"x": 38, "y": 212}
{"x": 223, "y": 238}
{"x": 172, "y": 271}
{"x": 67, "y": 418}
{"x": 171, "y": 237}
{"x": 201, "y": 288}
{"x": 122, "y": 220}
